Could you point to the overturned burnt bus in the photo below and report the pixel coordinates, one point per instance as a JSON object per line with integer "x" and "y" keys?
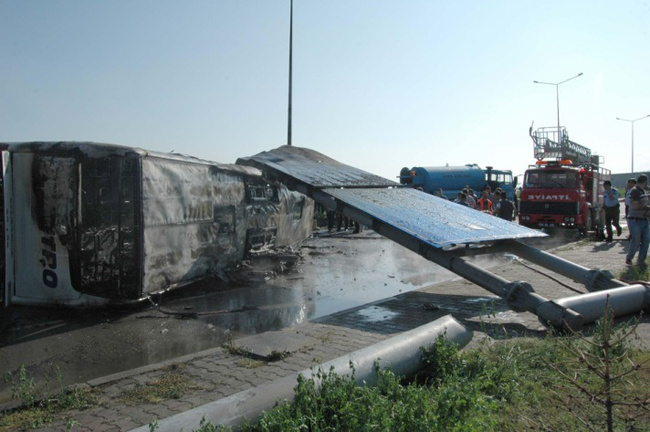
{"x": 88, "y": 223}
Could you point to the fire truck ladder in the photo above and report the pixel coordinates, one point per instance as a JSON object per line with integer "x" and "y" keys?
{"x": 441, "y": 231}
{"x": 549, "y": 147}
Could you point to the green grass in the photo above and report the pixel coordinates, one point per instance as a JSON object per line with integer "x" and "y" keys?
{"x": 39, "y": 408}
{"x": 636, "y": 273}
{"x": 250, "y": 363}
{"x": 245, "y": 352}
{"x": 173, "y": 384}
{"x": 510, "y": 386}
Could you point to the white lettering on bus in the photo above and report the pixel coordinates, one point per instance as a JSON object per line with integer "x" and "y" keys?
{"x": 50, "y": 279}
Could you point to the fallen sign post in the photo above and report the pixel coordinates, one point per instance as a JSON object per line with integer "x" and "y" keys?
{"x": 439, "y": 230}
{"x": 402, "y": 354}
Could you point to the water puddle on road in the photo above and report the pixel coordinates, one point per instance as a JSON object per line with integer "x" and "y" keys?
{"x": 482, "y": 299}
{"x": 376, "y": 314}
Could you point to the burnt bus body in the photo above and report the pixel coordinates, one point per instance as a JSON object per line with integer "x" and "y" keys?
{"x": 90, "y": 223}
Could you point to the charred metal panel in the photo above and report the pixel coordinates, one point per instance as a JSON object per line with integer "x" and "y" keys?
{"x": 40, "y": 231}
{"x": 73, "y": 149}
{"x": 191, "y": 223}
{"x": 54, "y": 186}
{"x": 84, "y": 150}
{"x": 200, "y": 219}
{"x": 313, "y": 168}
{"x": 287, "y": 215}
{"x": 294, "y": 218}
{"x": 259, "y": 238}
{"x": 106, "y": 260}
{"x": 435, "y": 221}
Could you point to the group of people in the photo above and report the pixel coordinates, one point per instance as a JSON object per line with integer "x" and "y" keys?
{"x": 496, "y": 203}
{"x": 637, "y": 213}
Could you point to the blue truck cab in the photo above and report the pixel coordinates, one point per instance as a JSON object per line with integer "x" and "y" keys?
{"x": 452, "y": 179}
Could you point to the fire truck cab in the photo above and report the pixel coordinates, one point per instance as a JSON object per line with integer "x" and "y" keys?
{"x": 565, "y": 186}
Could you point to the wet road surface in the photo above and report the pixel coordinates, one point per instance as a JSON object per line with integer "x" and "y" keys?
{"x": 332, "y": 273}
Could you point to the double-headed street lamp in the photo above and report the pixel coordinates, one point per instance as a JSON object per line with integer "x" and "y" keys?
{"x": 632, "y": 122}
{"x": 557, "y": 94}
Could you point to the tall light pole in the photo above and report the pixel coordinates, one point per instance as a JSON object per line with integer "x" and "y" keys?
{"x": 557, "y": 95}
{"x": 632, "y": 122}
{"x": 290, "y": 72}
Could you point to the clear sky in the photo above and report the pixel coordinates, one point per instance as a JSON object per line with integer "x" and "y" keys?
{"x": 378, "y": 84}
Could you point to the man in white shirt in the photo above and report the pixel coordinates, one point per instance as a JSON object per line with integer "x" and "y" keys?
{"x": 612, "y": 210}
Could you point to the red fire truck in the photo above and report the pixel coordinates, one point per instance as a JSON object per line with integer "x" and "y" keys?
{"x": 565, "y": 187}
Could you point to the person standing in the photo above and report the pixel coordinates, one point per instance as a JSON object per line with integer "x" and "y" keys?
{"x": 496, "y": 199}
{"x": 612, "y": 210}
{"x": 471, "y": 203}
{"x": 462, "y": 199}
{"x": 473, "y": 195}
{"x": 441, "y": 194}
{"x": 505, "y": 209}
{"x": 638, "y": 222}
{"x": 628, "y": 188}
{"x": 484, "y": 204}
{"x": 490, "y": 195}
{"x": 517, "y": 198}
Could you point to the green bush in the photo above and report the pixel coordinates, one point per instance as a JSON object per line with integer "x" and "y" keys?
{"x": 461, "y": 393}
{"x": 508, "y": 386}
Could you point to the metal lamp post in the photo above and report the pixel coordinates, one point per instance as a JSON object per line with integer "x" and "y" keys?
{"x": 290, "y": 72}
{"x": 632, "y": 123}
{"x": 557, "y": 94}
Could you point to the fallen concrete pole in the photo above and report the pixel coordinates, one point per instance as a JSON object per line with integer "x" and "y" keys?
{"x": 623, "y": 301}
{"x": 401, "y": 353}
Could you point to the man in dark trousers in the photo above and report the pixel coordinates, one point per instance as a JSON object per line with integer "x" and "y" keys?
{"x": 637, "y": 220}
{"x": 504, "y": 208}
{"x": 628, "y": 188}
{"x": 612, "y": 210}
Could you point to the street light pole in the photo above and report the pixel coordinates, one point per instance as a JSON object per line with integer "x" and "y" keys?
{"x": 290, "y": 72}
{"x": 557, "y": 96}
{"x": 632, "y": 123}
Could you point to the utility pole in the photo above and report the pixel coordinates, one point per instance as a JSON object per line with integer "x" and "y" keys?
{"x": 290, "y": 72}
